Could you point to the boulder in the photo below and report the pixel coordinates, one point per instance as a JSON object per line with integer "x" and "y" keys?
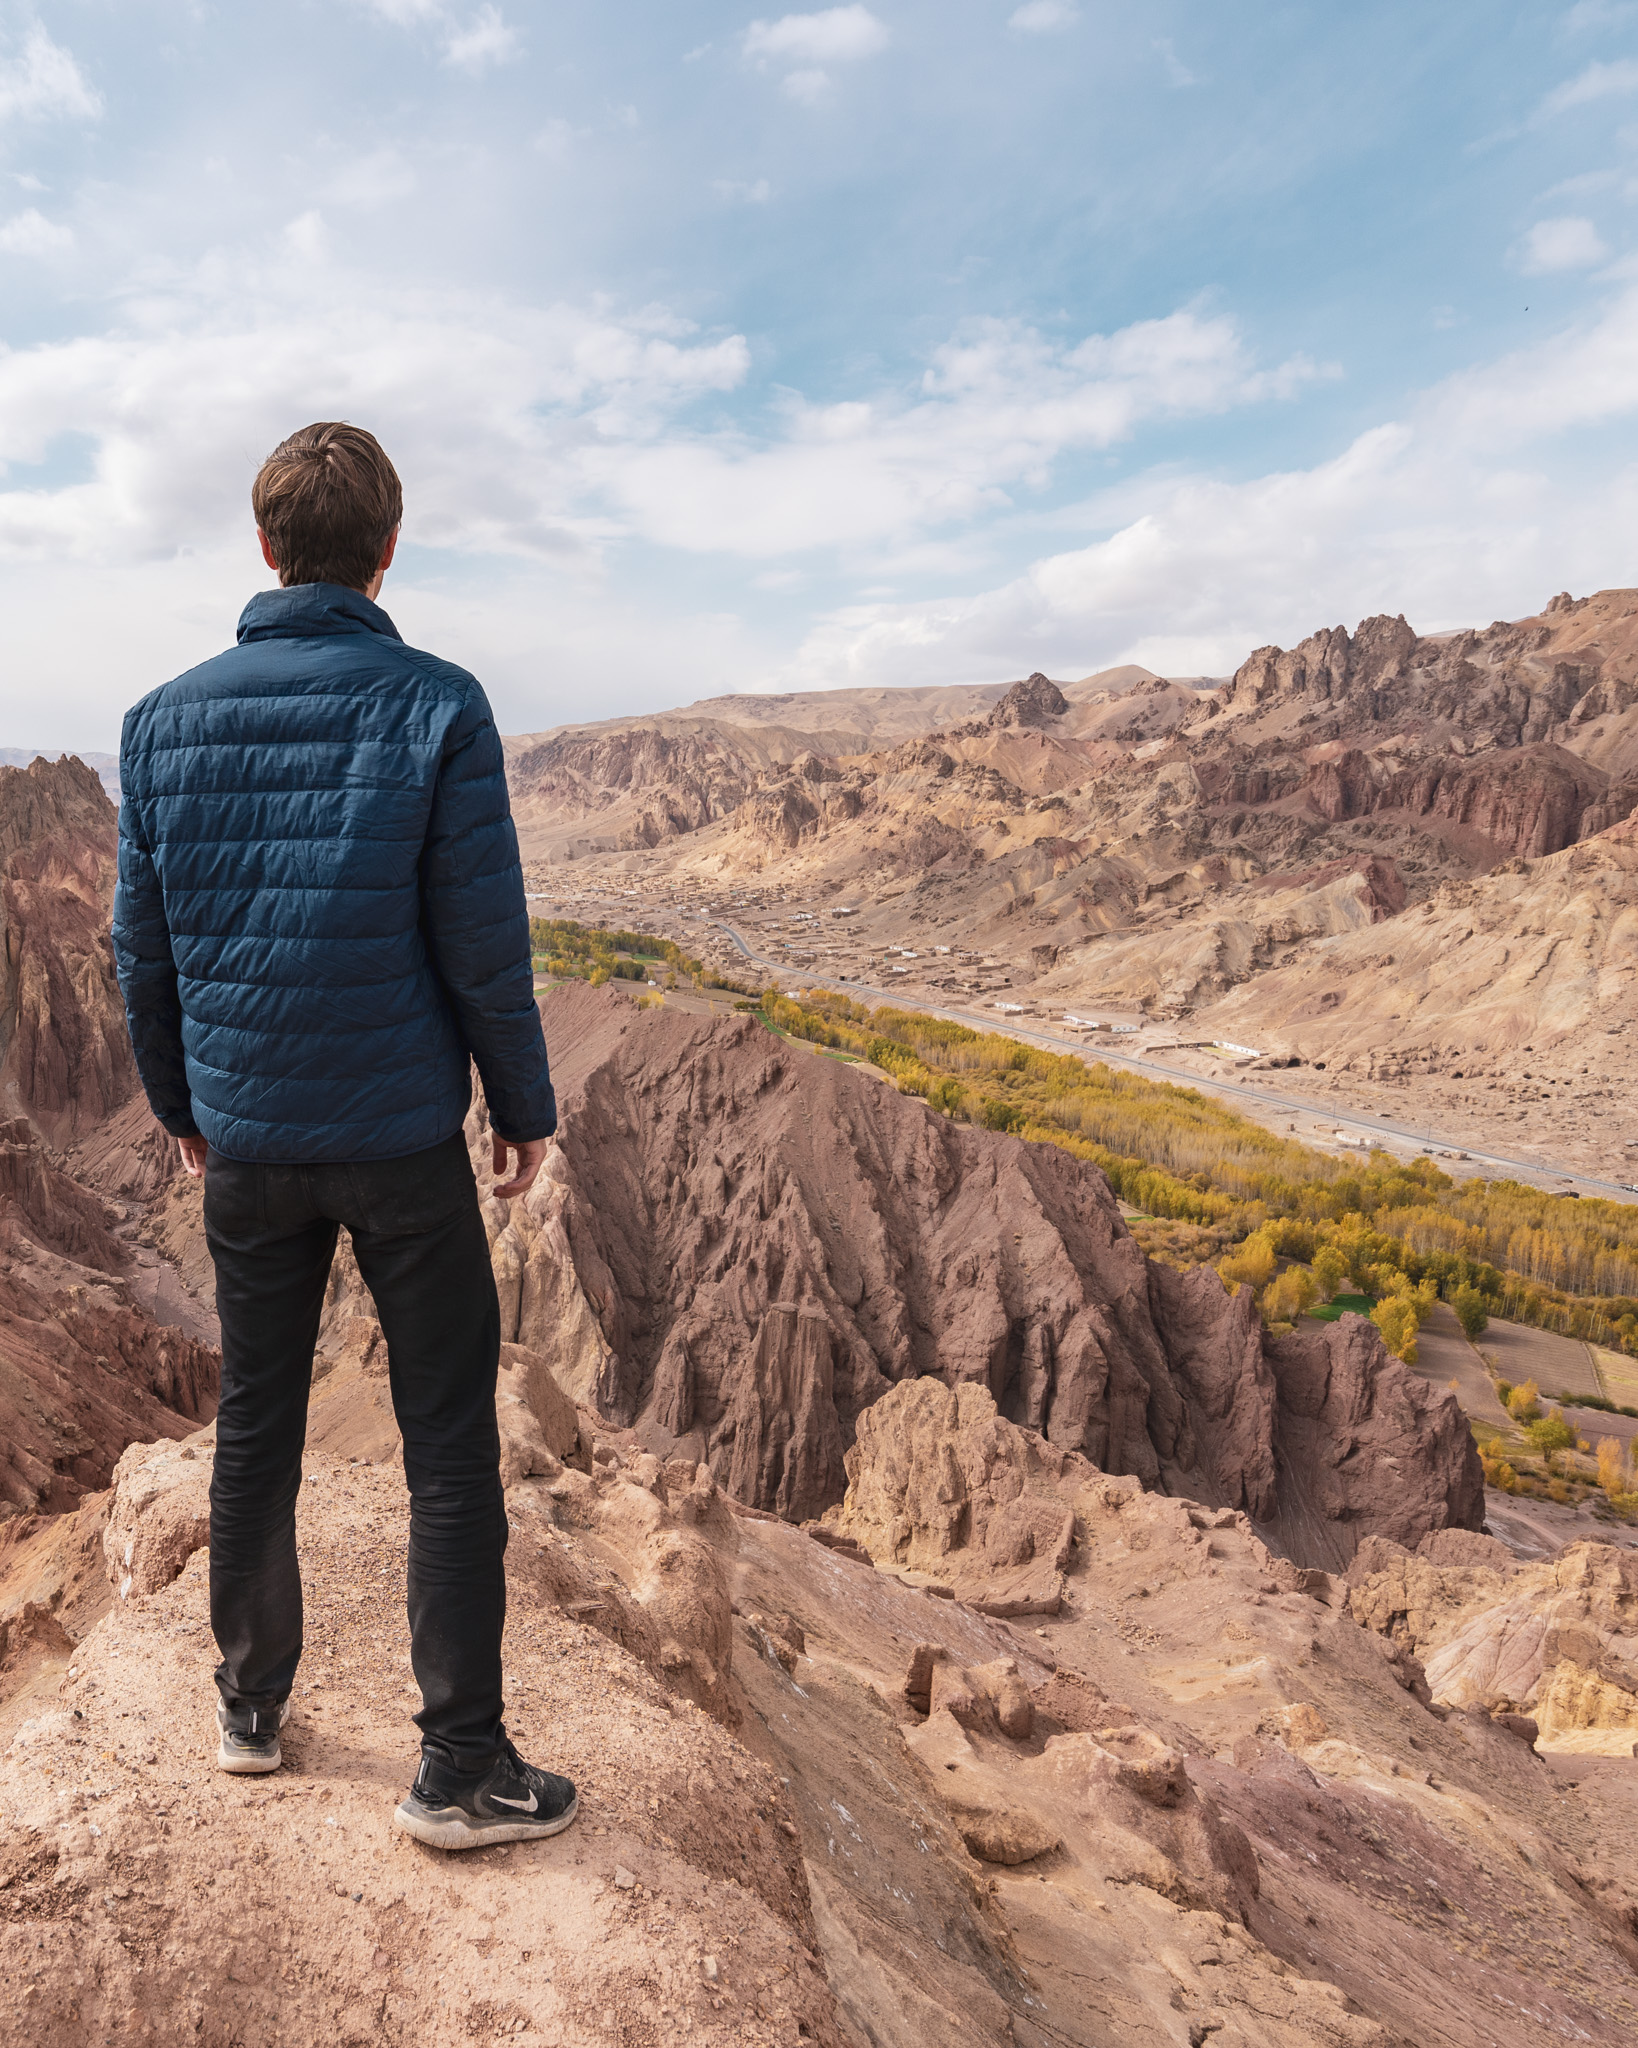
{"x": 158, "y": 1514}
{"x": 1560, "y": 1643}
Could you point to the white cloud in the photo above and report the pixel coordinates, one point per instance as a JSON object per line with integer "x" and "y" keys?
{"x": 1568, "y": 243}
{"x": 405, "y": 13}
{"x": 44, "y": 80}
{"x": 487, "y": 39}
{"x": 1044, "y": 17}
{"x": 31, "y": 234}
{"x": 1177, "y": 72}
{"x": 1588, "y": 16}
{"x": 305, "y": 238}
{"x": 996, "y": 409}
{"x": 1598, "y": 82}
{"x": 495, "y": 411}
{"x": 555, "y": 138}
{"x": 838, "y": 35}
{"x": 1453, "y": 515}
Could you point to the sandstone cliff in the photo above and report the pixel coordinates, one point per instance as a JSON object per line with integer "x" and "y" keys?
{"x": 739, "y": 1246}
{"x": 1135, "y": 844}
{"x": 84, "y": 1367}
{"x": 65, "y": 1059}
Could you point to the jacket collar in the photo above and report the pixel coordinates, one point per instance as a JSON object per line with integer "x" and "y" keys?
{"x": 309, "y": 609}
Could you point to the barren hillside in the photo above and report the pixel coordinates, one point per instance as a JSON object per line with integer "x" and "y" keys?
{"x": 1212, "y": 862}
{"x": 1136, "y": 1678}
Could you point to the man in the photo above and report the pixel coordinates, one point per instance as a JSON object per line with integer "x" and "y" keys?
{"x": 319, "y": 927}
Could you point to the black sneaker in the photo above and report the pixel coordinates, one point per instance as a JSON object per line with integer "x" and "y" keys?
{"x": 512, "y": 1802}
{"x": 250, "y": 1739}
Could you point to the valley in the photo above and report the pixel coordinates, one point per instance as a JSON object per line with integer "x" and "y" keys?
{"x": 1397, "y": 862}
{"x": 1048, "y": 1398}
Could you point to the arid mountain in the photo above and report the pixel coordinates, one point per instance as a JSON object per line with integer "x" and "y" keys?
{"x": 1237, "y": 861}
{"x": 766, "y": 1241}
{"x": 1537, "y": 958}
{"x": 98, "y": 1343}
{"x": 1058, "y": 1723}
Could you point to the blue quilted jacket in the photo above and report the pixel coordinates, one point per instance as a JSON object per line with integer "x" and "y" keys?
{"x": 320, "y": 919}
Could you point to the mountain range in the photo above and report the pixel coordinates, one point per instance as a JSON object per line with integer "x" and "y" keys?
{"x": 1401, "y": 860}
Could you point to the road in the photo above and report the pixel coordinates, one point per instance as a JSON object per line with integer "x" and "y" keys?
{"x": 1241, "y": 1094}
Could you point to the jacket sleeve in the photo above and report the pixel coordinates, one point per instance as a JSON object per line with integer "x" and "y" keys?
{"x": 477, "y": 926}
{"x": 147, "y": 978}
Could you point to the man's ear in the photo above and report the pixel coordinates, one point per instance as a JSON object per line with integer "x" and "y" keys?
{"x": 391, "y": 549}
{"x": 267, "y": 552}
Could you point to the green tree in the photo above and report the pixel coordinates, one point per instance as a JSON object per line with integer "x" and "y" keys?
{"x": 1468, "y": 1303}
{"x": 1550, "y": 1435}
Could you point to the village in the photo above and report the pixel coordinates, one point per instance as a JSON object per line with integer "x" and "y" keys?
{"x": 751, "y": 937}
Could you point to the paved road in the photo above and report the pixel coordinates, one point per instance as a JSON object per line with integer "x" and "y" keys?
{"x": 1241, "y": 1094}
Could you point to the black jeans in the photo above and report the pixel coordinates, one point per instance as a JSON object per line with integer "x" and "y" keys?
{"x": 421, "y": 1248}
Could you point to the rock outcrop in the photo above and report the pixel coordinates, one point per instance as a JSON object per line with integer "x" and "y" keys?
{"x": 739, "y": 1248}
{"x": 1561, "y": 1645}
{"x": 65, "y": 1057}
{"x": 818, "y": 1804}
{"x": 84, "y": 1369}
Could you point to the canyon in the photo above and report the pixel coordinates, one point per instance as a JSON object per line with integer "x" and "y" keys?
{"x": 961, "y": 1626}
{"x": 1212, "y": 863}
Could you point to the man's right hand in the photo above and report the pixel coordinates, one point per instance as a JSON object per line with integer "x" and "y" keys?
{"x": 193, "y": 1156}
{"x": 530, "y": 1155}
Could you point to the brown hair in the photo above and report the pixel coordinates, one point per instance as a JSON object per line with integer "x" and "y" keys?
{"x": 328, "y": 500}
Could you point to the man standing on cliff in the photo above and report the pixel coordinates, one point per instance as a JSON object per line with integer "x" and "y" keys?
{"x": 319, "y": 927}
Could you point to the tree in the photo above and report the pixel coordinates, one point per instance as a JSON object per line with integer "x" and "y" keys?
{"x": 1614, "y": 1474}
{"x": 1524, "y": 1401}
{"x": 947, "y": 1097}
{"x": 1468, "y": 1303}
{"x": 1330, "y": 1270}
{"x": 1551, "y": 1435}
{"x": 1395, "y": 1317}
{"x": 1251, "y": 1261}
{"x": 1288, "y": 1296}
{"x": 1002, "y": 1116}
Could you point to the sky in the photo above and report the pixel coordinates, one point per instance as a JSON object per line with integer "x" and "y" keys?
{"x": 923, "y": 341}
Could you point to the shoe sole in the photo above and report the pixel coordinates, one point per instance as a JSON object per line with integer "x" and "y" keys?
{"x": 240, "y": 1764}
{"x": 449, "y": 1827}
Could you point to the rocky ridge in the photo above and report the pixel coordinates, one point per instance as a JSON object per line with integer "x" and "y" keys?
{"x": 1219, "y": 860}
{"x": 738, "y": 1247}
{"x": 825, "y": 1799}
{"x": 1013, "y": 1742}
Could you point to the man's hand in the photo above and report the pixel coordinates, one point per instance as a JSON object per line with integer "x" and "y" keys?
{"x": 193, "y": 1156}
{"x": 530, "y": 1154}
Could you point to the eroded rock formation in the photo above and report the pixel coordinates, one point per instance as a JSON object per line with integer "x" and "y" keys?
{"x": 65, "y": 1058}
{"x": 739, "y": 1248}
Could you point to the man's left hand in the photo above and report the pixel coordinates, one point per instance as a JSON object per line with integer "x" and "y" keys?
{"x": 530, "y": 1155}
{"x": 193, "y": 1156}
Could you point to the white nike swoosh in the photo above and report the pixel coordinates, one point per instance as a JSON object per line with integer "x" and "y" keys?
{"x": 528, "y": 1805}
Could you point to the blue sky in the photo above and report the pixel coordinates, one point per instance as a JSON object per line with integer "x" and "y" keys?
{"x": 898, "y": 343}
